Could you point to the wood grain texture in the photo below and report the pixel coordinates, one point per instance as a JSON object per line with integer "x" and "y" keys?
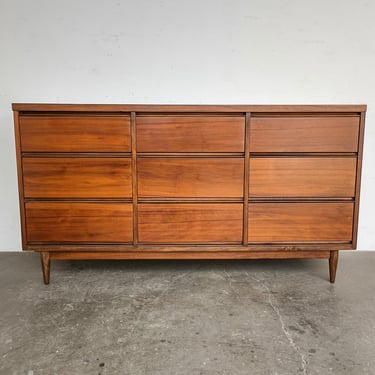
{"x": 194, "y": 167}
{"x": 190, "y": 133}
{"x": 300, "y": 222}
{"x": 358, "y": 177}
{"x": 245, "y": 226}
{"x": 20, "y": 177}
{"x": 304, "y": 134}
{"x": 202, "y": 254}
{"x": 189, "y": 223}
{"x": 302, "y": 177}
{"x": 333, "y": 260}
{"x": 79, "y": 222}
{"x": 73, "y": 133}
{"x": 194, "y": 247}
{"x": 188, "y": 108}
{"x": 134, "y": 177}
{"x": 190, "y": 177}
{"x": 77, "y": 177}
{"x": 46, "y": 266}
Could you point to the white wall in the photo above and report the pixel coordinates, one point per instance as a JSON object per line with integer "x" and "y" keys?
{"x": 174, "y": 51}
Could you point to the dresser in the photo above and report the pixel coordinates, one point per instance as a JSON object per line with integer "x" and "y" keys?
{"x": 188, "y": 181}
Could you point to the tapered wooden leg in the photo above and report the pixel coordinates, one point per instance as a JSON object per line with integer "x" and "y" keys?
{"x": 45, "y": 259}
{"x": 333, "y": 259}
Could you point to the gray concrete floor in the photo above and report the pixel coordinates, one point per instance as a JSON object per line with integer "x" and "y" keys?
{"x": 187, "y": 317}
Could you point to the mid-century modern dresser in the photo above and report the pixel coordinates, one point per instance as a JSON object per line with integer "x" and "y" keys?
{"x": 189, "y": 181}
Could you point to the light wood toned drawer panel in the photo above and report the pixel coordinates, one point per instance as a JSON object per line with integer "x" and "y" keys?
{"x": 77, "y": 177}
{"x": 78, "y": 222}
{"x": 190, "y": 223}
{"x": 304, "y": 134}
{"x": 190, "y": 177}
{"x": 300, "y": 222}
{"x": 75, "y": 133}
{"x": 190, "y": 133}
{"x": 302, "y": 177}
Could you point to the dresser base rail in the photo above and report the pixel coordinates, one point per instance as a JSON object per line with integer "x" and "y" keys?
{"x": 47, "y": 256}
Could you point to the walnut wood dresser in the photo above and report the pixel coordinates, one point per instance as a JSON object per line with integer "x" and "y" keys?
{"x": 189, "y": 181}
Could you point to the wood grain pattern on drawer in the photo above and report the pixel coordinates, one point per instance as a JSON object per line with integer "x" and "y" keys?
{"x": 304, "y": 134}
{"x": 190, "y": 177}
{"x": 300, "y": 222}
{"x": 190, "y": 133}
{"x": 190, "y": 223}
{"x": 77, "y": 177}
{"x": 78, "y": 222}
{"x": 75, "y": 133}
{"x": 302, "y": 177}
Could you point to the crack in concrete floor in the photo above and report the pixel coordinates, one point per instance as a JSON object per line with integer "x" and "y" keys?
{"x": 286, "y": 332}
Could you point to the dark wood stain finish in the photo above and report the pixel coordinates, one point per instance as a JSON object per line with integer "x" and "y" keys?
{"x": 188, "y": 181}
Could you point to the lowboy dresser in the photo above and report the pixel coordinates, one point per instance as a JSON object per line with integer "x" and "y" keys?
{"x": 189, "y": 181}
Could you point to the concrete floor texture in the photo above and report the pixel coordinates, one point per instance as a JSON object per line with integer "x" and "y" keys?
{"x": 187, "y": 317}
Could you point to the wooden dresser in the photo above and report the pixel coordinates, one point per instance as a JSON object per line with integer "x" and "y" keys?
{"x": 189, "y": 181}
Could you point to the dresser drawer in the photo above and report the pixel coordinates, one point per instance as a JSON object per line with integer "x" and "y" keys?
{"x": 77, "y": 177}
{"x": 190, "y": 133}
{"x": 300, "y": 222}
{"x": 190, "y": 223}
{"x": 190, "y": 177}
{"x": 304, "y": 134}
{"x": 303, "y": 177}
{"x": 54, "y": 133}
{"x": 78, "y": 222}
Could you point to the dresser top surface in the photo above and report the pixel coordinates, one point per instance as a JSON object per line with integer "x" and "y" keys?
{"x": 219, "y": 108}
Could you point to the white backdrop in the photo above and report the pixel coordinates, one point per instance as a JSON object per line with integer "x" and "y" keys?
{"x": 176, "y": 51}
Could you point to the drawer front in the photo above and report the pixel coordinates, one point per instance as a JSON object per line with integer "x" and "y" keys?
{"x": 304, "y": 134}
{"x": 302, "y": 177}
{"x": 190, "y": 223}
{"x": 190, "y": 133}
{"x": 190, "y": 177}
{"x": 78, "y": 222}
{"x": 300, "y": 222}
{"x": 77, "y": 177}
{"x": 75, "y": 133}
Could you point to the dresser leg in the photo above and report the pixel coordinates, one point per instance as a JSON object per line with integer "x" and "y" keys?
{"x": 46, "y": 262}
{"x": 333, "y": 259}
